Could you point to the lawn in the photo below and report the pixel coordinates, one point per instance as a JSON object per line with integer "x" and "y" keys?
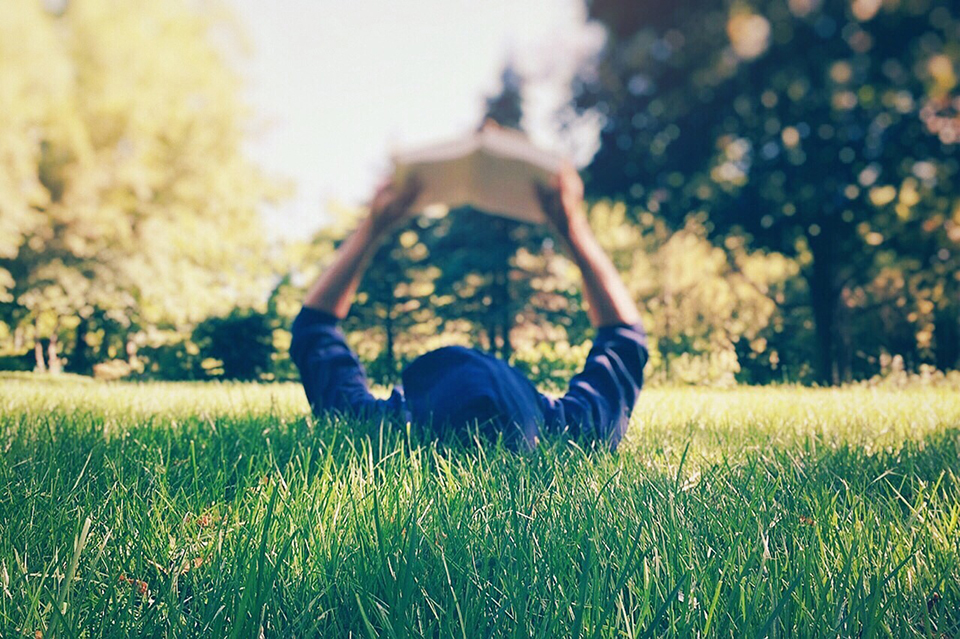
{"x": 224, "y": 510}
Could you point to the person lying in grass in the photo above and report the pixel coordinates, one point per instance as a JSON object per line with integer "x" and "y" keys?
{"x": 456, "y": 386}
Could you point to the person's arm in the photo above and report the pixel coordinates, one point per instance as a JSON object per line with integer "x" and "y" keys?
{"x": 601, "y": 397}
{"x": 607, "y": 296}
{"x": 332, "y": 375}
{"x": 334, "y": 290}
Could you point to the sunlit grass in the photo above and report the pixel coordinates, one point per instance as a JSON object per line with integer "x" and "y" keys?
{"x": 217, "y": 510}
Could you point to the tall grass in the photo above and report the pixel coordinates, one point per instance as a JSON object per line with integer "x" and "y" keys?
{"x": 225, "y": 510}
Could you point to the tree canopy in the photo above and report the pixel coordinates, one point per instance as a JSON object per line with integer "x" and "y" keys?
{"x": 824, "y": 130}
{"x": 124, "y": 193}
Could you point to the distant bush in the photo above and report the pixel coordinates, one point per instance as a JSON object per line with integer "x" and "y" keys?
{"x": 17, "y": 361}
{"x": 112, "y": 369}
{"x": 171, "y": 358}
{"x": 893, "y": 374}
{"x": 238, "y": 346}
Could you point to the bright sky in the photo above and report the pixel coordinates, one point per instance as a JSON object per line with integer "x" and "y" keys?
{"x": 336, "y": 84}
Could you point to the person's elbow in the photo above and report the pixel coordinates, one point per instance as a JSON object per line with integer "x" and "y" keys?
{"x": 630, "y": 345}
{"x": 299, "y": 343}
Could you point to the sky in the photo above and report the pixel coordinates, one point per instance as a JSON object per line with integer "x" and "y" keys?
{"x": 336, "y": 85}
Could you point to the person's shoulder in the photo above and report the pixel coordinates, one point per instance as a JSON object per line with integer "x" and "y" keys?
{"x": 633, "y": 333}
{"x": 308, "y": 317}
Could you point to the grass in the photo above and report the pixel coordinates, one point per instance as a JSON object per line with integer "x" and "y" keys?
{"x": 224, "y": 510}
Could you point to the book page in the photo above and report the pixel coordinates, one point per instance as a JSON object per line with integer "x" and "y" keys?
{"x": 493, "y": 170}
{"x": 504, "y": 186}
{"x": 446, "y": 182}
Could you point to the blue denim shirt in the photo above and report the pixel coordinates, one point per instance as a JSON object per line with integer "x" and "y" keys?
{"x": 597, "y": 404}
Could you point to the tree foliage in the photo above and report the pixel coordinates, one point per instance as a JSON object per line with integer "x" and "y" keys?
{"x": 241, "y": 345}
{"x": 776, "y": 180}
{"x": 124, "y": 193}
{"x": 819, "y": 129}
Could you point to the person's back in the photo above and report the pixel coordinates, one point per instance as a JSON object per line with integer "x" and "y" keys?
{"x": 456, "y": 386}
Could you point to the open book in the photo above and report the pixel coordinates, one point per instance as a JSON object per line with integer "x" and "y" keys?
{"x": 492, "y": 169}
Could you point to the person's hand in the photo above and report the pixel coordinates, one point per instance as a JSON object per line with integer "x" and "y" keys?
{"x": 562, "y": 203}
{"x": 391, "y": 203}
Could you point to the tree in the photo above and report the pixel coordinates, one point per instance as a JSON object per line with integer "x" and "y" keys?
{"x": 241, "y": 343}
{"x": 708, "y": 310}
{"x": 392, "y": 297}
{"x": 794, "y": 123}
{"x": 124, "y": 191}
{"x": 477, "y": 252}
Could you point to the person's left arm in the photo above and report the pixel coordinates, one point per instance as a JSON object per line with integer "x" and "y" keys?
{"x": 332, "y": 375}
{"x": 601, "y": 398}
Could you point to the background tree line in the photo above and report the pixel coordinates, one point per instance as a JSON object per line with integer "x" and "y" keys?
{"x": 777, "y": 180}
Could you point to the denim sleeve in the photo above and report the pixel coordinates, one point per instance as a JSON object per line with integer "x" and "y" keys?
{"x": 332, "y": 375}
{"x": 600, "y": 398}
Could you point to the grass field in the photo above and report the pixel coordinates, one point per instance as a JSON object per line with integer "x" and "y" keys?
{"x": 209, "y": 510}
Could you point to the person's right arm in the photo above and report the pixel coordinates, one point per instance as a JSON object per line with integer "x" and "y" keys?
{"x": 600, "y": 399}
{"x": 332, "y": 375}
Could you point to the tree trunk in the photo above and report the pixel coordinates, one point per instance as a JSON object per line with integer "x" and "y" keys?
{"x": 500, "y": 291}
{"x": 666, "y": 346}
{"x": 503, "y": 306}
{"x": 80, "y": 359}
{"x": 130, "y": 348}
{"x": 506, "y": 348}
{"x": 389, "y": 347}
{"x": 54, "y": 363}
{"x": 946, "y": 333}
{"x": 491, "y": 331}
{"x": 823, "y": 301}
{"x": 38, "y": 348}
{"x": 41, "y": 366}
{"x": 845, "y": 347}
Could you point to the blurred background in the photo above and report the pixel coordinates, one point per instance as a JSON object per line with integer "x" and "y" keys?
{"x": 777, "y": 180}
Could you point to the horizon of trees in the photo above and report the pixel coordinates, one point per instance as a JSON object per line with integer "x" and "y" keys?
{"x": 777, "y": 181}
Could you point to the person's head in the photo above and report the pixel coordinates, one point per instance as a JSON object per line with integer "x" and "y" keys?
{"x": 457, "y": 387}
